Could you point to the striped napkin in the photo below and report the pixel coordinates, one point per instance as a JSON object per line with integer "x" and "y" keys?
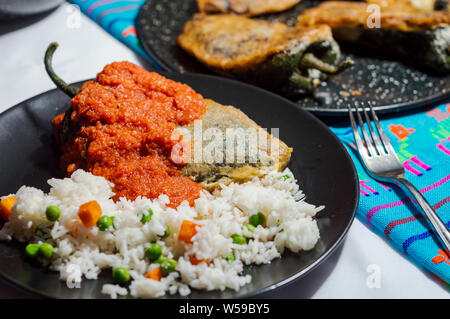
{"x": 422, "y": 143}
{"x": 421, "y": 140}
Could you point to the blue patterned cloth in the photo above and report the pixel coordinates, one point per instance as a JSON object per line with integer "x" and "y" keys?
{"x": 421, "y": 140}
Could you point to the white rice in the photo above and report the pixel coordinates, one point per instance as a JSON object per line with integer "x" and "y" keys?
{"x": 82, "y": 252}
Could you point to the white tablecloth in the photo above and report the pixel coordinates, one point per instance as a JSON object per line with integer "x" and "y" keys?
{"x": 85, "y": 49}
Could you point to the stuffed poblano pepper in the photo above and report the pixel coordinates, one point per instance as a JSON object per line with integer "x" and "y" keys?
{"x": 416, "y": 36}
{"x": 287, "y": 60}
{"x": 245, "y": 7}
{"x": 412, "y": 5}
{"x": 100, "y": 133}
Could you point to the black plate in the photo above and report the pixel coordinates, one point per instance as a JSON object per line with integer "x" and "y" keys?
{"x": 389, "y": 85}
{"x": 320, "y": 162}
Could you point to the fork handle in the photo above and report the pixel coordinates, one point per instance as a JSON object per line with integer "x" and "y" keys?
{"x": 434, "y": 219}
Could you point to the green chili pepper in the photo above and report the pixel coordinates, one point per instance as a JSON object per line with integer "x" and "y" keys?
{"x": 70, "y": 90}
{"x": 299, "y": 69}
{"x": 66, "y": 125}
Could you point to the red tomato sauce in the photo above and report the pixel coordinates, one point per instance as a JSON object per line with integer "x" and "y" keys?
{"x": 124, "y": 120}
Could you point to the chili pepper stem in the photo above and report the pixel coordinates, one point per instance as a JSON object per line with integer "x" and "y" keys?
{"x": 309, "y": 60}
{"x": 70, "y": 90}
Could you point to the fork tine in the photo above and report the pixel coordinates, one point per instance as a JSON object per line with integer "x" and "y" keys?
{"x": 359, "y": 143}
{"x": 373, "y": 138}
{"x": 386, "y": 142}
{"x": 369, "y": 145}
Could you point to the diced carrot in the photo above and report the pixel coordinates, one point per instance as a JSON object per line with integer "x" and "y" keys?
{"x": 70, "y": 169}
{"x": 195, "y": 261}
{"x": 155, "y": 274}
{"x": 187, "y": 231}
{"x": 90, "y": 213}
{"x": 6, "y": 205}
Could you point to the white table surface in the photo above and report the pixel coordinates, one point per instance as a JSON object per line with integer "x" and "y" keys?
{"x": 84, "y": 50}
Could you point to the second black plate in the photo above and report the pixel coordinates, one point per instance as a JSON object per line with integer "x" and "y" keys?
{"x": 390, "y": 85}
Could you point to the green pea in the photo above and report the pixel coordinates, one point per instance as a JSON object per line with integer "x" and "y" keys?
{"x": 32, "y": 250}
{"x": 153, "y": 252}
{"x": 230, "y": 257}
{"x": 257, "y": 219}
{"x": 46, "y": 250}
{"x": 237, "y": 239}
{"x": 53, "y": 213}
{"x": 105, "y": 222}
{"x": 262, "y": 218}
{"x": 146, "y": 217}
{"x": 160, "y": 259}
{"x": 250, "y": 228}
{"x": 121, "y": 275}
{"x": 166, "y": 233}
{"x": 167, "y": 265}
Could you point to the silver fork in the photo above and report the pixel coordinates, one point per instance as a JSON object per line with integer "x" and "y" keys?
{"x": 382, "y": 164}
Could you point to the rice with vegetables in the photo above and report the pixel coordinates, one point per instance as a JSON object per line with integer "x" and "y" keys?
{"x": 155, "y": 249}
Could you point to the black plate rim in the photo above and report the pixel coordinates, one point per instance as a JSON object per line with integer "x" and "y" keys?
{"x": 310, "y": 117}
{"x": 382, "y": 109}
